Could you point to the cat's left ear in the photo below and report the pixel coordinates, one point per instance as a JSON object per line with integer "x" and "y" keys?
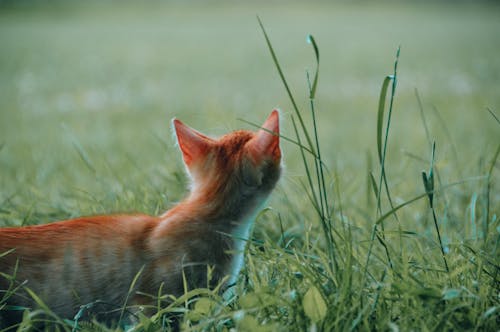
{"x": 193, "y": 144}
{"x": 266, "y": 142}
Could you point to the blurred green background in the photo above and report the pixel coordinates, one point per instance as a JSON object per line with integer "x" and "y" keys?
{"x": 87, "y": 93}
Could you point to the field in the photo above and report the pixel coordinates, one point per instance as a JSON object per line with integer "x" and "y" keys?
{"x": 86, "y": 98}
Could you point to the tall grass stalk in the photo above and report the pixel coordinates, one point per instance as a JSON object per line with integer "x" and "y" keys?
{"x": 428, "y": 136}
{"x": 429, "y": 189}
{"x": 382, "y": 153}
{"x": 315, "y": 178}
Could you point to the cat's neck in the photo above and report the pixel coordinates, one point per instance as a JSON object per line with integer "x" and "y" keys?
{"x": 226, "y": 223}
{"x": 225, "y": 213}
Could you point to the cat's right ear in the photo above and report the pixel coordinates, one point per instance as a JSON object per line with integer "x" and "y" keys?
{"x": 193, "y": 144}
{"x": 266, "y": 142}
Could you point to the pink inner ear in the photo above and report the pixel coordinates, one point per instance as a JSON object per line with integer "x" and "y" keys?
{"x": 193, "y": 144}
{"x": 266, "y": 144}
{"x": 272, "y": 123}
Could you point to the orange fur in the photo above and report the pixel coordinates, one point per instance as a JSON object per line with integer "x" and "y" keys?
{"x": 74, "y": 262}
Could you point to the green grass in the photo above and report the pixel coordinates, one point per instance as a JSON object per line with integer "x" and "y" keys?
{"x": 86, "y": 95}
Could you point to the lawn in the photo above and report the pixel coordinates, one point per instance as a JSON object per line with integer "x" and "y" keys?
{"x": 87, "y": 93}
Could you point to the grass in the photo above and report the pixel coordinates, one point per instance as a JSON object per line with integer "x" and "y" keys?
{"x": 86, "y": 94}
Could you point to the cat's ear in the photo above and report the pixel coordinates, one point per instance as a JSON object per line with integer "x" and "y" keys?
{"x": 193, "y": 144}
{"x": 266, "y": 142}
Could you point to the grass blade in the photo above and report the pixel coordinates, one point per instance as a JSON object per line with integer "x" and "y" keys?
{"x": 380, "y": 114}
{"x": 429, "y": 189}
{"x": 382, "y": 151}
{"x": 290, "y": 95}
{"x": 312, "y": 92}
{"x": 130, "y": 290}
{"x": 286, "y": 138}
{"x": 422, "y": 116}
{"x": 493, "y": 115}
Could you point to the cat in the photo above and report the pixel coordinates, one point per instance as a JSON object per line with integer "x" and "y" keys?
{"x": 79, "y": 261}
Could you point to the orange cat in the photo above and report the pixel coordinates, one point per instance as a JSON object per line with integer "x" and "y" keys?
{"x": 78, "y": 261}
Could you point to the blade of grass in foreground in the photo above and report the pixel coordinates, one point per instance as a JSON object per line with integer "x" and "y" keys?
{"x": 320, "y": 175}
{"x": 290, "y": 95}
{"x": 382, "y": 152}
{"x": 316, "y": 175}
{"x": 429, "y": 189}
{"x": 130, "y": 291}
{"x": 44, "y": 307}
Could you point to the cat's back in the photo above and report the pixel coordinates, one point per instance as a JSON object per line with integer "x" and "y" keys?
{"x": 50, "y": 241}
{"x": 82, "y": 226}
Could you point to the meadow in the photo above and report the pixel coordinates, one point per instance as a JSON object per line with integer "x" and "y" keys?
{"x": 87, "y": 93}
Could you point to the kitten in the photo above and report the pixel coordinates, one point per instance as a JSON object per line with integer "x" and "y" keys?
{"x": 74, "y": 262}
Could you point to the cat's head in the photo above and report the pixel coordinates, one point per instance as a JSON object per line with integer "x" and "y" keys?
{"x": 239, "y": 163}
